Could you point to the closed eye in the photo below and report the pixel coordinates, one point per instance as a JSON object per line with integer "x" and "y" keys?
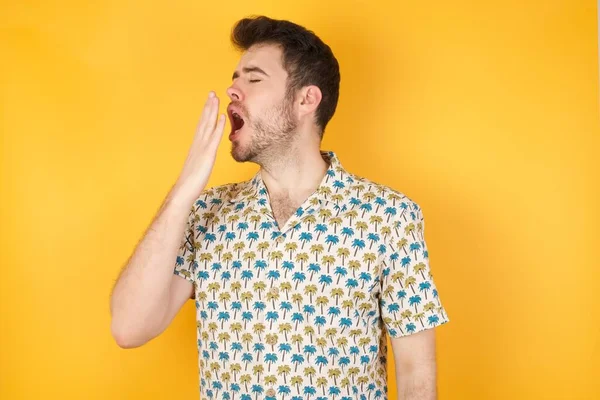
{"x": 254, "y": 80}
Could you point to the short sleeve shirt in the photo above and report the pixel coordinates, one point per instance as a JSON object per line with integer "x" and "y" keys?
{"x": 301, "y": 311}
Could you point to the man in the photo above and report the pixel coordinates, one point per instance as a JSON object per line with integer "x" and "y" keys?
{"x": 298, "y": 273}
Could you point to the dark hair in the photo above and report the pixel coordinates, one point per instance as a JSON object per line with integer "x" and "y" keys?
{"x": 306, "y": 59}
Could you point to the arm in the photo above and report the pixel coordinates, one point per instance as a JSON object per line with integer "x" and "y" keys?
{"x": 414, "y": 358}
{"x": 147, "y": 294}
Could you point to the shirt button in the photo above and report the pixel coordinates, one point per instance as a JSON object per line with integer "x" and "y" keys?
{"x": 270, "y": 392}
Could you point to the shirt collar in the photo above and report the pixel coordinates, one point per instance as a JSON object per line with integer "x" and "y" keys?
{"x": 333, "y": 187}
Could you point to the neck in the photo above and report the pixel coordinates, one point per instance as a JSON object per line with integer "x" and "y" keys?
{"x": 296, "y": 174}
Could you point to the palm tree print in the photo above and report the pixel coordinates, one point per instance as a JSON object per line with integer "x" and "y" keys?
{"x": 300, "y": 311}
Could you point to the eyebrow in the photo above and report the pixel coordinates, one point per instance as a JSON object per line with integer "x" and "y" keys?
{"x": 248, "y": 70}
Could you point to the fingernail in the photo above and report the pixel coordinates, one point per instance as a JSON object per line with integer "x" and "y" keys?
{"x": 211, "y": 94}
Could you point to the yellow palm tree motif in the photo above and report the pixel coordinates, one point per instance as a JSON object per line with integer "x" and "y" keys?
{"x": 224, "y": 297}
{"x": 298, "y": 299}
{"x": 259, "y": 328}
{"x": 322, "y": 300}
{"x": 247, "y": 339}
{"x": 354, "y": 265}
{"x": 419, "y": 268}
{"x": 331, "y": 333}
{"x": 235, "y": 368}
{"x": 236, "y": 327}
{"x": 212, "y": 328}
{"x": 322, "y": 382}
{"x": 245, "y": 379}
{"x": 214, "y": 287}
{"x": 310, "y": 290}
{"x": 362, "y": 227}
{"x": 347, "y": 304}
{"x": 262, "y": 246}
{"x": 336, "y": 198}
{"x": 227, "y": 257}
{"x": 409, "y": 230}
{"x": 206, "y": 257}
{"x": 358, "y": 296}
{"x": 334, "y": 373}
{"x": 369, "y": 258}
{"x": 257, "y": 370}
{"x": 276, "y": 255}
{"x": 285, "y": 287}
{"x": 297, "y": 339}
{"x": 297, "y": 380}
{"x": 316, "y": 249}
{"x": 250, "y": 256}
{"x": 337, "y": 292}
{"x": 321, "y": 342}
{"x": 302, "y": 258}
{"x": 309, "y": 331}
{"x": 233, "y": 219}
{"x": 310, "y": 372}
{"x": 362, "y": 380}
{"x": 429, "y": 306}
{"x": 308, "y": 220}
{"x": 239, "y": 247}
{"x": 247, "y": 296}
{"x": 292, "y": 247}
{"x": 224, "y": 337}
{"x": 375, "y": 220}
{"x": 343, "y": 252}
{"x": 284, "y": 370}
{"x": 259, "y": 287}
{"x": 285, "y": 328}
{"x": 410, "y": 281}
{"x": 255, "y": 219}
{"x": 272, "y": 296}
{"x": 351, "y": 214}
{"x": 324, "y": 213}
{"x": 406, "y": 314}
{"x": 335, "y": 222}
{"x": 353, "y": 372}
{"x": 342, "y": 342}
{"x": 328, "y": 260}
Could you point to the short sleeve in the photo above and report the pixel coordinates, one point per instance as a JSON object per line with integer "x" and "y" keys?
{"x": 185, "y": 261}
{"x": 409, "y": 300}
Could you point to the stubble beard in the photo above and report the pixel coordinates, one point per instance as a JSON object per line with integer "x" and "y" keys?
{"x": 270, "y": 136}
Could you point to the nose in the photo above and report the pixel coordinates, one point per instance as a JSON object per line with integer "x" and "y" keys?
{"x": 234, "y": 93}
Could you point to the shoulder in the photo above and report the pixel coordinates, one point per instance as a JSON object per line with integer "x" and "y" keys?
{"x": 220, "y": 194}
{"x": 384, "y": 198}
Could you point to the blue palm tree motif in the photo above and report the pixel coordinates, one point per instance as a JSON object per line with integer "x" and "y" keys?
{"x": 414, "y": 300}
{"x": 373, "y": 238}
{"x": 265, "y": 305}
{"x": 252, "y": 237}
{"x": 347, "y": 232}
{"x": 288, "y": 266}
{"x": 305, "y": 237}
{"x": 320, "y": 361}
{"x": 284, "y": 348}
{"x": 313, "y": 268}
{"x": 272, "y": 316}
{"x": 209, "y": 238}
{"x": 358, "y": 244}
{"x": 331, "y": 240}
{"x": 424, "y": 287}
{"x": 320, "y": 228}
{"x": 216, "y": 267}
{"x": 285, "y": 306}
{"x": 325, "y": 280}
{"x": 260, "y": 264}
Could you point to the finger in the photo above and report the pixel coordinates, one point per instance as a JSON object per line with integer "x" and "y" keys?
{"x": 218, "y": 133}
{"x": 205, "y": 111}
{"x": 212, "y": 117}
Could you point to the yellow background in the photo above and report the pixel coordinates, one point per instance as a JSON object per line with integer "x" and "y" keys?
{"x": 485, "y": 113}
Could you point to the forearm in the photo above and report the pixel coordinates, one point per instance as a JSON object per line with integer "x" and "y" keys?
{"x": 140, "y": 297}
{"x": 417, "y": 383}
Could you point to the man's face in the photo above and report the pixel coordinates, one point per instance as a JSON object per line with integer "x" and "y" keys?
{"x": 261, "y": 115}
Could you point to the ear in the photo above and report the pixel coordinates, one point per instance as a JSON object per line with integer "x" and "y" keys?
{"x": 310, "y": 98}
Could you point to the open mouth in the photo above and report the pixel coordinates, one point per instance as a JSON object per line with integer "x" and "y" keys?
{"x": 237, "y": 122}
